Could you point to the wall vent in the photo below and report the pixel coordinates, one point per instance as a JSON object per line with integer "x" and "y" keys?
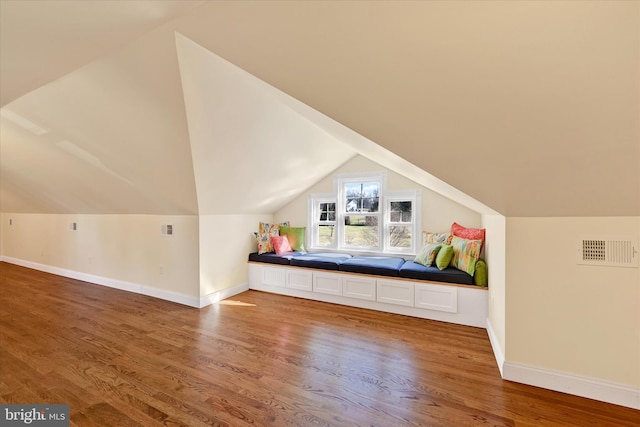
{"x": 608, "y": 251}
{"x": 167, "y": 230}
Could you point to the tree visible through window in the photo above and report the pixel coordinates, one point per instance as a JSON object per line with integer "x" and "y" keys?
{"x": 400, "y": 224}
{"x": 327, "y": 224}
{"x": 360, "y": 217}
{"x": 361, "y": 211}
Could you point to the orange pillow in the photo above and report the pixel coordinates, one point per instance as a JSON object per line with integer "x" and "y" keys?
{"x": 280, "y": 244}
{"x": 469, "y": 233}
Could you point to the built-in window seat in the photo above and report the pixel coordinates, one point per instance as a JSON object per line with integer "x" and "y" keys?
{"x": 374, "y": 282}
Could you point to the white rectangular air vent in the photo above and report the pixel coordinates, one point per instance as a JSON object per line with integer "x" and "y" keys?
{"x": 167, "y": 230}
{"x": 608, "y": 251}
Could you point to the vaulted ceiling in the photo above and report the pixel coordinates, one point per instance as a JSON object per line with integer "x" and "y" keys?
{"x": 531, "y": 108}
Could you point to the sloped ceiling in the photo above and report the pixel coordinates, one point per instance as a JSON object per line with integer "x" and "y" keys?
{"x": 532, "y": 108}
{"x": 116, "y": 138}
{"x": 44, "y": 40}
{"x": 264, "y": 154}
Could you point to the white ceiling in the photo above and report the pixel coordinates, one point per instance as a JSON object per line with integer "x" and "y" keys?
{"x": 116, "y": 141}
{"x": 41, "y": 40}
{"x": 265, "y": 153}
{"x": 532, "y": 108}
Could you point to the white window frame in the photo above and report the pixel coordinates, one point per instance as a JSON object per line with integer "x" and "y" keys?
{"x": 415, "y": 197}
{"x": 341, "y": 210}
{"x": 339, "y": 198}
{"x": 314, "y": 220}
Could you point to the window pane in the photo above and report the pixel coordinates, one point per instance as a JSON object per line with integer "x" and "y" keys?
{"x": 361, "y": 230}
{"x": 362, "y": 197}
{"x": 400, "y": 237}
{"x": 400, "y": 211}
{"x": 326, "y": 234}
{"x": 327, "y": 211}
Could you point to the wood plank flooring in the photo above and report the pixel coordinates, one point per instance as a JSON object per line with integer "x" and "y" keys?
{"x": 121, "y": 359}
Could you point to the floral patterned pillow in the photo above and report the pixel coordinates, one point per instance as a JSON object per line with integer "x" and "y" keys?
{"x": 265, "y": 230}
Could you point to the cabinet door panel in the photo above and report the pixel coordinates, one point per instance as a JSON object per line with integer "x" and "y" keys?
{"x": 361, "y": 288}
{"x": 302, "y": 280}
{"x": 399, "y": 293}
{"x": 327, "y": 283}
{"x": 274, "y": 276}
{"x": 434, "y": 297}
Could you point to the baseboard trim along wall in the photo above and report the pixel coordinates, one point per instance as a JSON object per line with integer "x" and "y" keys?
{"x": 498, "y": 353}
{"x": 618, "y": 394}
{"x": 132, "y": 287}
{"x": 215, "y": 297}
{"x": 605, "y": 391}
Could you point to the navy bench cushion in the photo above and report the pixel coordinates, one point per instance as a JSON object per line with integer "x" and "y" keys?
{"x": 272, "y": 258}
{"x": 382, "y": 266}
{"x": 413, "y": 270}
{"x": 322, "y": 260}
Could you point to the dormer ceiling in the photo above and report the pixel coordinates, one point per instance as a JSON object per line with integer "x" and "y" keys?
{"x": 531, "y": 108}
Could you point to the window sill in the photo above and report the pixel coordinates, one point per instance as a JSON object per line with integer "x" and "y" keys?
{"x": 353, "y": 251}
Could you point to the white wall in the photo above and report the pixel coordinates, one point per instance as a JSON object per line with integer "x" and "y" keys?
{"x": 495, "y": 255}
{"x": 438, "y": 212}
{"x": 225, "y": 243}
{"x": 124, "y": 248}
{"x": 569, "y": 318}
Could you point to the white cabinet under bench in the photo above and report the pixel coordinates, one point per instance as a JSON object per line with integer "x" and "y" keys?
{"x": 447, "y": 302}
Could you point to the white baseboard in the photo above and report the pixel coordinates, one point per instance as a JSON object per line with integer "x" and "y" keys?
{"x": 137, "y": 288}
{"x": 605, "y": 391}
{"x": 215, "y": 297}
{"x": 498, "y": 353}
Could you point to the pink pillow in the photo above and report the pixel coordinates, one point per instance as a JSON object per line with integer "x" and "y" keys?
{"x": 469, "y": 233}
{"x": 280, "y": 244}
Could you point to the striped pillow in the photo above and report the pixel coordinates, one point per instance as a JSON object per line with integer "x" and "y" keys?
{"x": 465, "y": 254}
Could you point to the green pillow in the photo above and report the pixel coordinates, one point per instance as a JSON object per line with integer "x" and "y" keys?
{"x": 444, "y": 257}
{"x": 427, "y": 254}
{"x": 481, "y": 277}
{"x": 296, "y": 236}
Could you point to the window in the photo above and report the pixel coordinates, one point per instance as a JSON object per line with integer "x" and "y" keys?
{"x": 401, "y": 227}
{"x": 323, "y": 223}
{"x": 360, "y": 217}
{"x": 359, "y": 213}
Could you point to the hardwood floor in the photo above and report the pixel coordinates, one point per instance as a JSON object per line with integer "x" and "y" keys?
{"x": 122, "y": 359}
